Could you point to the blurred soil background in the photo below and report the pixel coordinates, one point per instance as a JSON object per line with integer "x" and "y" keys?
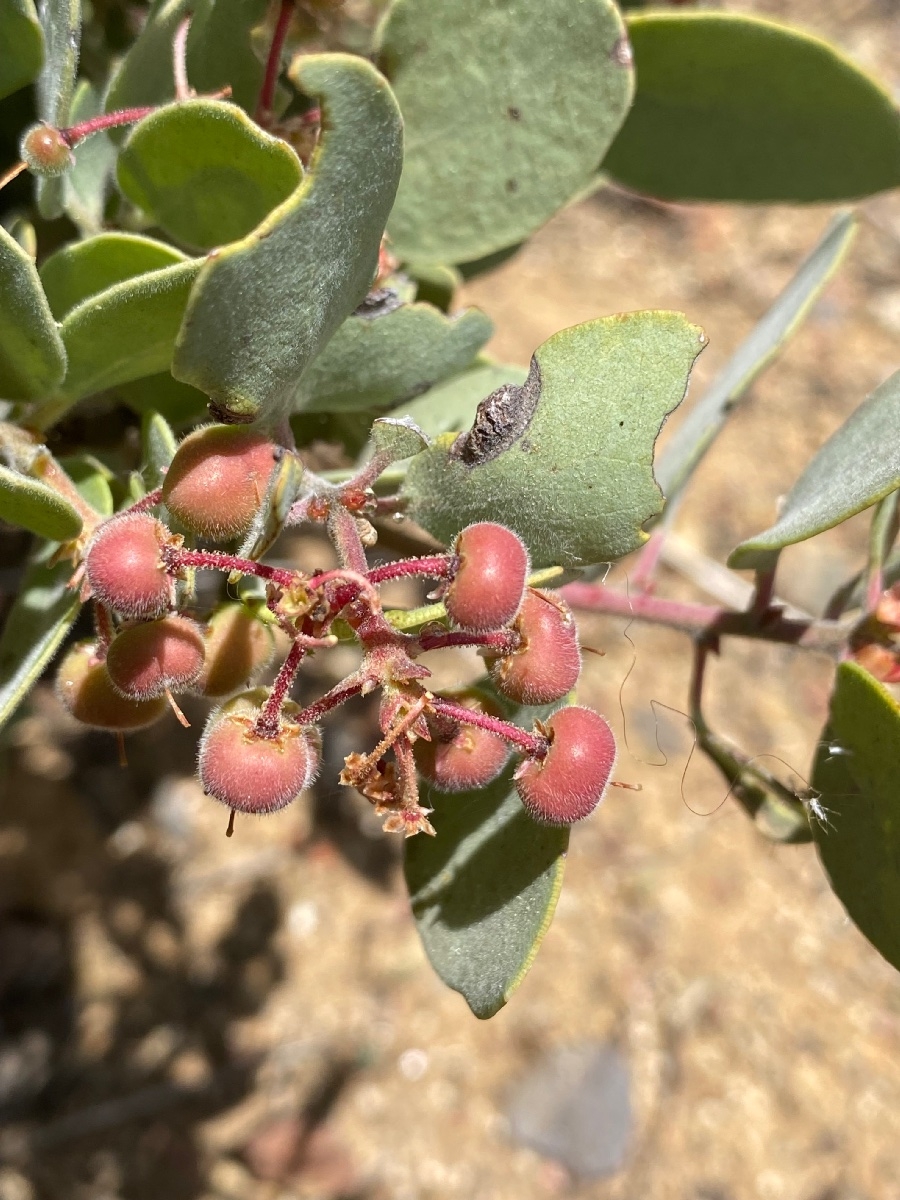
{"x": 187, "y": 1016}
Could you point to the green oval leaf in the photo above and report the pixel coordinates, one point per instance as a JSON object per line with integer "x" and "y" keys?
{"x": 79, "y": 270}
{"x": 19, "y": 28}
{"x": 32, "y": 505}
{"x": 738, "y": 108}
{"x": 856, "y": 773}
{"x": 509, "y": 105}
{"x": 42, "y": 614}
{"x": 220, "y": 49}
{"x": 483, "y": 891}
{"x": 92, "y": 479}
{"x": 696, "y": 433}
{"x": 205, "y": 173}
{"x": 374, "y": 361}
{"x": 566, "y": 460}
{"x": 32, "y": 355}
{"x": 86, "y": 185}
{"x": 264, "y": 307}
{"x": 126, "y": 331}
{"x": 61, "y": 21}
{"x": 856, "y": 467}
{"x": 145, "y": 75}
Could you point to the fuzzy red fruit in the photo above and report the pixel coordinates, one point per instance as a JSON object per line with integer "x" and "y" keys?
{"x": 471, "y": 759}
{"x": 85, "y": 689}
{"x": 46, "y": 151}
{"x": 568, "y": 784}
{"x": 124, "y": 568}
{"x": 250, "y": 773}
{"x": 237, "y": 646}
{"x": 489, "y": 583}
{"x": 218, "y": 480}
{"x": 145, "y": 661}
{"x": 547, "y": 663}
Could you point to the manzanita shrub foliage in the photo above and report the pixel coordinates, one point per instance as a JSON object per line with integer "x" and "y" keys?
{"x": 233, "y": 227}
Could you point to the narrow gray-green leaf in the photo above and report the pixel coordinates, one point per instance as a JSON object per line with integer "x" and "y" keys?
{"x": 32, "y": 355}
{"x": 34, "y": 506}
{"x": 857, "y": 466}
{"x": 375, "y": 361}
{"x": 42, "y": 614}
{"x": 855, "y": 773}
{"x": 509, "y": 105}
{"x": 79, "y": 270}
{"x": 705, "y": 420}
{"x": 264, "y": 307}
{"x": 483, "y": 891}
{"x": 85, "y": 187}
{"x": 22, "y": 36}
{"x": 126, "y": 331}
{"x": 159, "y": 445}
{"x": 451, "y": 406}
{"x": 566, "y": 460}
{"x": 61, "y": 21}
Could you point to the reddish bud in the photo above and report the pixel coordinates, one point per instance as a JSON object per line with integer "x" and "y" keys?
{"x": 470, "y": 759}
{"x": 250, "y": 773}
{"x": 487, "y": 588}
{"x": 568, "y": 783}
{"x": 46, "y": 151}
{"x": 238, "y": 645}
{"x": 218, "y": 480}
{"x": 85, "y": 689}
{"x": 124, "y": 568}
{"x": 547, "y": 663}
{"x": 145, "y": 661}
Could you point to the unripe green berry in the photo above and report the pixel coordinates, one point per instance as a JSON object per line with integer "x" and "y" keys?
{"x": 145, "y": 661}
{"x": 85, "y": 689}
{"x": 217, "y": 480}
{"x": 238, "y": 645}
{"x": 46, "y": 151}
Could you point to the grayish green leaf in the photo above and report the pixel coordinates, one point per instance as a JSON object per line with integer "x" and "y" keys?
{"x": 264, "y": 307}
{"x": 856, "y": 467}
{"x": 856, "y": 774}
{"x": 509, "y": 105}
{"x": 220, "y": 49}
{"x": 372, "y": 362}
{"x": 61, "y": 21}
{"x": 92, "y": 479}
{"x": 204, "y": 172}
{"x": 34, "y": 506}
{"x": 32, "y": 355}
{"x": 79, "y": 270}
{"x": 159, "y": 445}
{"x": 145, "y": 75}
{"x": 734, "y": 107}
{"x": 399, "y": 437}
{"x": 85, "y": 187}
{"x": 42, "y": 614}
{"x": 566, "y": 460}
{"x": 705, "y": 420}
{"x": 23, "y": 37}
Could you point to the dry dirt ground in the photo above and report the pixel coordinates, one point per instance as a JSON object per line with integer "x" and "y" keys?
{"x": 255, "y": 1018}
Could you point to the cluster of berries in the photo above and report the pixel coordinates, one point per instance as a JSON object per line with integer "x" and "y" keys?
{"x": 260, "y": 749}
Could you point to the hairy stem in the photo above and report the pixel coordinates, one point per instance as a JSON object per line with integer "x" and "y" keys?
{"x": 438, "y": 566}
{"x": 213, "y": 560}
{"x": 532, "y": 744}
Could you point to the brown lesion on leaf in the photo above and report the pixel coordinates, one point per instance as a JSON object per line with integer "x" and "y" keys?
{"x": 226, "y": 416}
{"x": 501, "y": 419}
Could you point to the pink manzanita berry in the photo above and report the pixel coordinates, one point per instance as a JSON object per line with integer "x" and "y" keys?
{"x": 85, "y": 689}
{"x": 218, "y": 479}
{"x": 46, "y": 152}
{"x": 238, "y": 645}
{"x": 547, "y": 663}
{"x": 255, "y": 774}
{"x": 489, "y": 583}
{"x": 124, "y": 568}
{"x": 569, "y": 782}
{"x": 148, "y": 660}
{"x": 470, "y": 759}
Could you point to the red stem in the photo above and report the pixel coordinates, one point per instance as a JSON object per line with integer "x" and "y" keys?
{"x": 146, "y": 502}
{"x": 267, "y": 721}
{"x": 533, "y": 745}
{"x": 125, "y": 116}
{"x": 435, "y": 567}
{"x": 213, "y": 560}
{"x": 345, "y": 690}
{"x": 273, "y": 63}
{"x": 500, "y": 641}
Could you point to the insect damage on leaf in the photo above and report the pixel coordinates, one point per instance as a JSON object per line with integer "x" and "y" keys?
{"x": 501, "y": 419}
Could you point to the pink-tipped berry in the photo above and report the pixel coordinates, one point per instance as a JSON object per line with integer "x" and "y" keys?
{"x": 145, "y": 661}
{"x": 489, "y": 583}
{"x": 547, "y": 662}
{"x": 124, "y": 568}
